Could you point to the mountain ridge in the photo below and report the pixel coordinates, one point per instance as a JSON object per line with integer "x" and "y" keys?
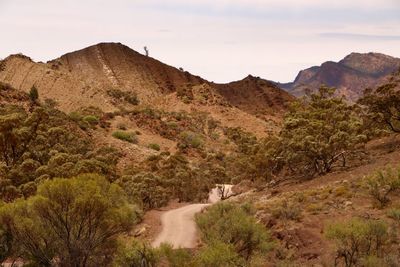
{"x": 83, "y": 77}
{"x": 351, "y": 75}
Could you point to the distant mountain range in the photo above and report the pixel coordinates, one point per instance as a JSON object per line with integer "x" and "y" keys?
{"x": 350, "y": 75}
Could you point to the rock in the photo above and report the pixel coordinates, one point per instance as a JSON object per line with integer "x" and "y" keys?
{"x": 267, "y": 219}
{"x": 140, "y": 231}
{"x": 348, "y": 203}
{"x": 275, "y": 192}
{"x": 310, "y": 255}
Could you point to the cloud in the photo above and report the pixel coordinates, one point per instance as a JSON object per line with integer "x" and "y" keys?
{"x": 360, "y": 37}
{"x": 220, "y": 40}
{"x": 303, "y": 11}
{"x": 327, "y": 4}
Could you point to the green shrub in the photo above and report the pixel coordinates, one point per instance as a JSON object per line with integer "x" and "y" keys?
{"x": 46, "y": 143}
{"x": 75, "y": 221}
{"x": 34, "y": 94}
{"x": 126, "y": 136}
{"x": 219, "y": 254}
{"x": 79, "y": 119}
{"x": 146, "y": 189}
{"x": 172, "y": 125}
{"x": 130, "y": 97}
{"x": 373, "y": 261}
{"x": 154, "y": 147}
{"x": 235, "y": 226}
{"x": 175, "y": 257}
{"x": 287, "y": 210}
{"x": 75, "y": 116}
{"x": 245, "y": 141}
{"x": 315, "y": 208}
{"x": 382, "y": 184}
{"x": 214, "y": 136}
{"x": 163, "y": 177}
{"x": 91, "y": 119}
{"x": 190, "y": 140}
{"x": 152, "y": 113}
{"x": 357, "y": 239}
{"x": 5, "y": 243}
{"x": 394, "y": 214}
{"x": 137, "y": 254}
{"x": 319, "y": 133}
{"x": 382, "y": 105}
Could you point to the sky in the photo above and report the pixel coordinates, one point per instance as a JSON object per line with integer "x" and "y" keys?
{"x": 220, "y": 40}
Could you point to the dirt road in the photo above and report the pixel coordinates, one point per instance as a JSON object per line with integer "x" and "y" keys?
{"x": 178, "y": 225}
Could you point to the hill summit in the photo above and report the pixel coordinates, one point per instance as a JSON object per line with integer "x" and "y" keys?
{"x": 86, "y": 78}
{"x": 350, "y": 75}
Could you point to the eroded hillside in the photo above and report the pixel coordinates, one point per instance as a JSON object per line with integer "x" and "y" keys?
{"x": 350, "y": 75}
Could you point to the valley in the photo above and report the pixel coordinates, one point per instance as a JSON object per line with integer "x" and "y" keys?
{"x": 108, "y": 158}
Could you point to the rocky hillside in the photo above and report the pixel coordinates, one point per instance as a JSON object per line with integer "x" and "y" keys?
{"x": 97, "y": 75}
{"x": 83, "y": 77}
{"x": 350, "y": 76}
{"x": 255, "y": 95}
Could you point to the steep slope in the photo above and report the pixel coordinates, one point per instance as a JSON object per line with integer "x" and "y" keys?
{"x": 255, "y": 95}
{"x": 83, "y": 78}
{"x": 116, "y": 65}
{"x": 350, "y": 76}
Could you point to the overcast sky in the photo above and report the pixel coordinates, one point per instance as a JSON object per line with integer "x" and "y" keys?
{"x": 220, "y": 40}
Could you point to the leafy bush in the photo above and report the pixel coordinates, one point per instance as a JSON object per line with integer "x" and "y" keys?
{"x": 287, "y": 210}
{"x": 130, "y": 97}
{"x": 45, "y": 143}
{"x": 357, "y": 239}
{"x": 235, "y": 226}
{"x": 152, "y": 113}
{"x": 154, "y": 146}
{"x": 91, "y": 119}
{"x": 245, "y": 141}
{"x": 175, "y": 257}
{"x": 5, "y": 243}
{"x": 382, "y": 106}
{"x": 394, "y": 214}
{"x": 146, "y": 189}
{"x": 219, "y": 254}
{"x": 126, "y": 136}
{"x": 34, "y": 94}
{"x": 137, "y": 254}
{"x": 315, "y": 208}
{"x": 190, "y": 140}
{"x": 164, "y": 177}
{"x": 382, "y": 184}
{"x": 76, "y": 221}
{"x": 373, "y": 261}
{"x": 320, "y": 133}
{"x": 260, "y": 161}
{"x": 78, "y": 118}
